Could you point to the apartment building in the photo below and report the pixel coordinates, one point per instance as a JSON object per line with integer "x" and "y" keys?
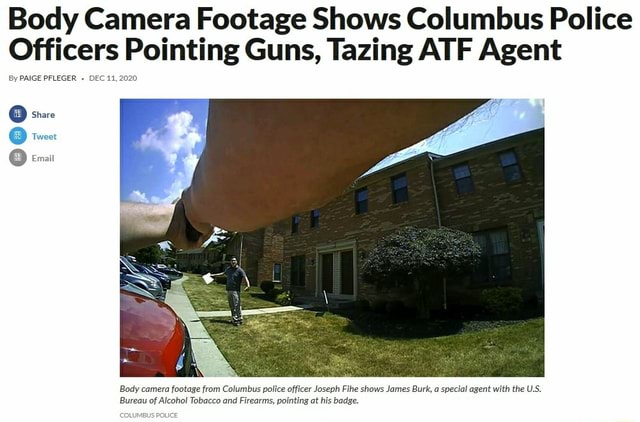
{"x": 494, "y": 191}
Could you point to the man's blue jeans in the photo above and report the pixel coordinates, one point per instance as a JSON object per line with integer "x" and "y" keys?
{"x": 234, "y": 304}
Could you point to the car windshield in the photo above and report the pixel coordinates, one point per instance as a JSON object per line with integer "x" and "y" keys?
{"x": 127, "y": 264}
{"x": 140, "y": 268}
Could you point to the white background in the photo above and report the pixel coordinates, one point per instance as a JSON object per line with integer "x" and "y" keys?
{"x": 60, "y": 225}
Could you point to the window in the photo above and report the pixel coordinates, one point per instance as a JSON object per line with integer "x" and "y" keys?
{"x": 297, "y": 270}
{"x": 295, "y": 223}
{"x": 510, "y": 166}
{"x": 462, "y": 176}
{"x": 399, "y": 188}
{"x": 495, "y": 262}
{"x": 277, "y": 272}
{"x": 362, "y": 196}
{"x": 315, "y": 218}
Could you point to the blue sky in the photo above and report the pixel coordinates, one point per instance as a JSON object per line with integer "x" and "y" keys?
{"x": 495, "y": 120}
{"x": 161, "y": 140}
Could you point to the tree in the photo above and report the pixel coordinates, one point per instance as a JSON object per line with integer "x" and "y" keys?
{"x": 219, "y": 244}
{"x": 171, "y": 255}
{"x": 149, "y": 255}
{"x": 418, "y": 257}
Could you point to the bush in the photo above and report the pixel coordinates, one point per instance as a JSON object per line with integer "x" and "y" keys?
{"x": 379, "y": 306}
{"x": 267, "y": 286}
{"x": 362, "y": 305}
{"x": 502, "y": 301}
{"x": 395, "y": 309}
{"x": 284, "y": 298}
{"x": 273, "y": 293}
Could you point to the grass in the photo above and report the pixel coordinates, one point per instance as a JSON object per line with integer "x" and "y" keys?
{"x": 303, "y": 344}
{"x": 365, "y": 344}
{"x": 213, "y": 296}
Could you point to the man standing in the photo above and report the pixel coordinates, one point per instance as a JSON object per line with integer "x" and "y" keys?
{"x": 235, "y": 277}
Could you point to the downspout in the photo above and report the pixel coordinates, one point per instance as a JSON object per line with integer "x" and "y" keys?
{"x": 240, "y": 254}
{"x": 435, "y": 198}
{"x": 435, "y": 192}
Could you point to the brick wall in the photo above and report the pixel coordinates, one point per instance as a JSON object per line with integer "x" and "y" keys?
{"x": 273, "y": 253}
{"x": 494, "y": 204}
{"x": 339, "y": 222}
{"x": 252, "y": 250}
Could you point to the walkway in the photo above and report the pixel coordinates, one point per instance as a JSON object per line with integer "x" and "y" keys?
{"x": 213, "y": 314}
{"x": 210, "y": 360}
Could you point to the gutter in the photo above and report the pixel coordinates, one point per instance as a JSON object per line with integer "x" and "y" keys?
{"x": 435, "y": 198}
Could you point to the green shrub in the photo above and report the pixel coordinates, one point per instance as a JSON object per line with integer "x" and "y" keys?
{"x": 379, "y": 306}
{"x": 267, "y": 286}
{"x": 284, "y": 298}
{"x": 273, "y": 293}
{"x": 502, "y": 301}
{"x": 362, "y": 305}
{"x": 395, "y": 309}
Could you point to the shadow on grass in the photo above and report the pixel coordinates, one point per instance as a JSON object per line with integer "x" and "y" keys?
{"x": 369, "y": 323}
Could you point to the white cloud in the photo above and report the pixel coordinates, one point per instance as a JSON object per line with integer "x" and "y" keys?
{"x": 137, "y": 196}
{"x": 177, "y": 137}
{"x": 189, "y": 162}
{"x": 175, "y": 190}
{"x": 536, "y": 102}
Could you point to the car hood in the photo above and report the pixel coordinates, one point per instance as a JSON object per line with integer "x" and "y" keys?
{"x": 151, "y": 337}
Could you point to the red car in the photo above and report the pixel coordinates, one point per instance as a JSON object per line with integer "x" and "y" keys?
{"x": 154, "y": 341}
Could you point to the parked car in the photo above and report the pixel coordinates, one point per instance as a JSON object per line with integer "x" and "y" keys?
{"x": 154, "y": 288}
{"x": 154, "y": 341}
{"x": 172, "y": 273}
{"x": 145, "y": 269}
{"x": 153, "y": 283}
{"x": 125, "y": 285}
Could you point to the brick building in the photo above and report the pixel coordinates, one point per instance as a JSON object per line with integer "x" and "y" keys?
{"x": 494, "y": 191}
{"x": 259, "y": 253}
{"x": 195, "y": 259}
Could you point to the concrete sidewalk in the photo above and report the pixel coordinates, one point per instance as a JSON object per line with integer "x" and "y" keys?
{"x": 210, "y": 360}
{"x": 212, "y": 314}
{"x": 208, "y": 356}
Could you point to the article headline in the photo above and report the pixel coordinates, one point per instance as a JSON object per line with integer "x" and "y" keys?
{"x": 274, "y": 32}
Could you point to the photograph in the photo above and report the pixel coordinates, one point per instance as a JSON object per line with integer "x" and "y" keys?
{"x": 332, "y": 237}
{"x": 321, "y": 210}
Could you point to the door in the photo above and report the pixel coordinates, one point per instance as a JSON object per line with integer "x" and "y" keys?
{"x": 327, "y": 272}
{"x": 346, "y": 272}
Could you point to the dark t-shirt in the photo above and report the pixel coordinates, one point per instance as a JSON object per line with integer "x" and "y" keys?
{"x": 234, "y": 278}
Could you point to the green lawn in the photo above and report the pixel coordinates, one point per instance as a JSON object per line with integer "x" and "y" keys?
{"x": 213, "y": 296}
{"x": 364, "y": 344}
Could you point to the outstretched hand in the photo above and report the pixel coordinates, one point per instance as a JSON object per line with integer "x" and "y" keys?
{"x": 182, "y": 234}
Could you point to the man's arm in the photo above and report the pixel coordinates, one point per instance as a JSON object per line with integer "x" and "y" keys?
{"x": 302, "y": 152}
{"x": 142, "y": 225}
{"x": 246, "y": 281}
